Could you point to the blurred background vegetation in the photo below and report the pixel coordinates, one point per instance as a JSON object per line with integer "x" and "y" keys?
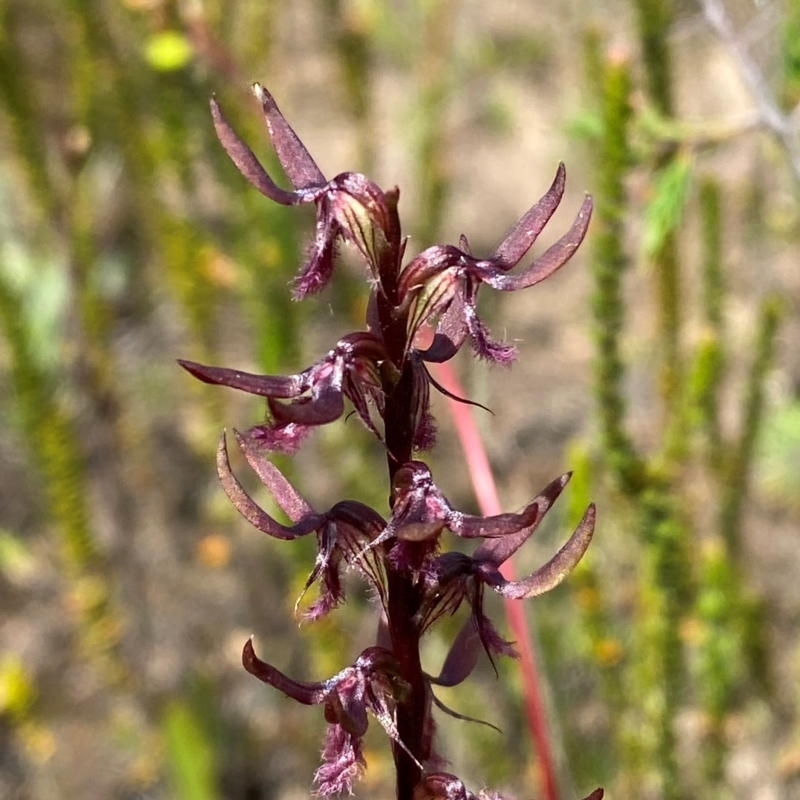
{"x": 663, "y": 366}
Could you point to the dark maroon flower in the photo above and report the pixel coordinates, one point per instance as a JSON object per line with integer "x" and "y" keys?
{"x": 343, "y": 533}
{"x": 352, "y": 369}
{"x": 349, "y": 207}
{"x": 421, "y": 512}
{"x": 455, "y": 577}
{"x": 372, "y": 683}
{"x": 444, "y": 280}
{"x": 490, "y": 556}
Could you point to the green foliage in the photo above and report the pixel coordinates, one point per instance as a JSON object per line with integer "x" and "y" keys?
{"x": 190, "y": 753}
{"x": 55, "y": 447}
{"x": 779, "y": 456}
{"x": 16, "y": 560}
{"x": 17, "y": 693}
{"x": 609, "y": 265}
{"x": 693, "y": 638}
{"x": 665, "y": 210}
{"x": 586, "y": 126}
{"x": 791, "y": 54}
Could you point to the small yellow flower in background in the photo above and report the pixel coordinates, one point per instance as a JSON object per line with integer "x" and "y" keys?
{"x": 168, "y": 51}
{"x": 17, "y": 692}
{"x": 608, "y": 652}
{"x": 214, "y": 551}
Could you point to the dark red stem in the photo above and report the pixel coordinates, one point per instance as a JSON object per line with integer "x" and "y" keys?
{"x": 404, "y": 592}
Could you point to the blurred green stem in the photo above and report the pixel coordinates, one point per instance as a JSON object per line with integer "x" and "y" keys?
{"x": 710, "y": 362}
{"x": 56, "y": 451}
{"x": 654, "y": 19}
{"x": 18, "y": 98}
{"x": 735, "y": 486}
{"x": 609, "y": 263}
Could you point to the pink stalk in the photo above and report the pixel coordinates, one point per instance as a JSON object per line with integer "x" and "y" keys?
{"x": 485, "y": 489}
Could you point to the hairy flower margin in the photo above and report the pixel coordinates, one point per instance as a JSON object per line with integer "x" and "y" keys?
{"x": 382, "y": 372}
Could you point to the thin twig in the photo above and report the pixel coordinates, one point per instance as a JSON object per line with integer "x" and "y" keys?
{"x": 771, "y": 115}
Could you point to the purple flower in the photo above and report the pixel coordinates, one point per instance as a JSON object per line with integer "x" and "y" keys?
{"x": 372, "y": 683}
{"x": 349, "y": 207}
{"x": 455, "y": 577}
{"x": 343, "y": 533}
{"x": 420, "y": 512}
{"x": 444, "y": 280}
{"x": 352, "y": 369}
